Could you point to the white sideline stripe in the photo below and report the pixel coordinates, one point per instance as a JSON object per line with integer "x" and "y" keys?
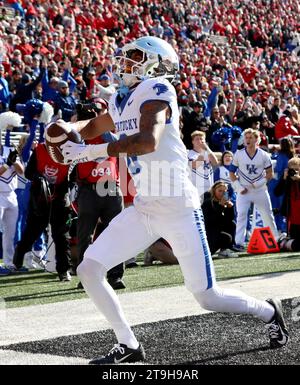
{"x": 11, "y": 357}
{"x": 32, "y": 323}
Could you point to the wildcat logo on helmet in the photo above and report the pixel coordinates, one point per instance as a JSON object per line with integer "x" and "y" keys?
{"x": 160, "y": 88}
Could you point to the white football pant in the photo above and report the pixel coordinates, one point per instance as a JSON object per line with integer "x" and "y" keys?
{"x": 132, "y": 231}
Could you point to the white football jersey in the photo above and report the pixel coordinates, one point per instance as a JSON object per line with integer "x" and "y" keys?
{"x": 249, "y": 169}
{"x": 164, "y": 172}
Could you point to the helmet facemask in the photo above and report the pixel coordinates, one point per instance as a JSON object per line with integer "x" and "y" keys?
{"x": 130, "y": 71}
{"x": 150, "y": 66}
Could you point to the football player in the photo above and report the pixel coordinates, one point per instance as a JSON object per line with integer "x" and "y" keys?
{"x": 145, "y": 116}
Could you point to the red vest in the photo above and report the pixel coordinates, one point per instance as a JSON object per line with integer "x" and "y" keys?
{"x": 55, "y": 173}
{"x": 93, "y": 172}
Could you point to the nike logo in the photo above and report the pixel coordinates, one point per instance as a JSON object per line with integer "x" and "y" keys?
{"x": 283, "y": 340}
{"x": 122, "y": 359}
{"x": 130, "y": 102}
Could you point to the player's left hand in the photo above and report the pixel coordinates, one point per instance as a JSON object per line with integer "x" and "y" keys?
{"x": 243, "y": 192}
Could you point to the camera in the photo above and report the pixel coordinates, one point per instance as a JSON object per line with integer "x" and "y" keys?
{"x": 86, "y": 111}
{"x": 292, "y": 172}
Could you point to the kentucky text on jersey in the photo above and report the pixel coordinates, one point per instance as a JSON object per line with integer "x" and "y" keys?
{"x": 164, "y": 172}
{"x": 125, "y": 125}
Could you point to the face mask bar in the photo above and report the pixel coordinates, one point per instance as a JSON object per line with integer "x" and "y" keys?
{"x": 147, "y": 67}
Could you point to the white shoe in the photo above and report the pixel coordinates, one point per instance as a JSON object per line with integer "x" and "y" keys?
{"x": 281, "y": 237}
{"x": 39, "y": 263}
{"x": 28, "y": 261}
{"x": 226, "y": 253}
{"x": 39, "y": 253}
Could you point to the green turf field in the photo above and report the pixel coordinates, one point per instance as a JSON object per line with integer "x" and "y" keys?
{"x": 37, "y": 287}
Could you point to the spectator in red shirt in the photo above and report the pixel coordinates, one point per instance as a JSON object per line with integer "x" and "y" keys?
{"x": 284, "y": 126}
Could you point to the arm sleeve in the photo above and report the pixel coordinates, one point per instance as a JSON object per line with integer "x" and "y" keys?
{"x": 281, "y": 164}
{"x": 71, "y": 81}
{"x": 28, "y": 144}
{"x": 211, "y": 102}
{"x": 217, "y": 174}
{"x": 38, "y": 79}
{"x": 42, "y": 133}
{"x": 45, "y": 82}
{"x": 7, "y": 138}
{"x": 65, "y": 75}
{"x": 31, "y": 169}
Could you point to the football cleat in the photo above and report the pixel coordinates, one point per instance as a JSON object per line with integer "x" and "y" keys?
{"x": 226, "y": 253}
{"x": 278, "y": 332}
{"x": 238, "y": 248}
{"x": 17, "y": 270}
{"x": 116, "y": 283}
{"x": 4, "y": 271}
{"x": 65, "y": 277}
{"x": 120, "y": 353}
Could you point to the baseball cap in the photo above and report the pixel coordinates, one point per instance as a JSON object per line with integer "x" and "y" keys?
{"x": 92, "y": 71}
{"x": 104, "y": 77}
{"x": 62, "y": 84}
{"x": 26, "y": 78}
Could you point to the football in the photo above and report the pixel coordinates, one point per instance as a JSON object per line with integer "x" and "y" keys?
{"x": 56, "y": 135}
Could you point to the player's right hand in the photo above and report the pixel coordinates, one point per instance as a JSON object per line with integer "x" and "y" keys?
{"x": 243, "y": 192}
{"x": 73, "y": 151}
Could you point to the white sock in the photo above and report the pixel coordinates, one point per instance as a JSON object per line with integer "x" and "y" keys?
{"x": 92, "y": 276}
{"x": 234, "y": 301}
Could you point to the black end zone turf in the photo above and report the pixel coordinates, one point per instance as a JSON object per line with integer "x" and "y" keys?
{"x": 210, "y": 339}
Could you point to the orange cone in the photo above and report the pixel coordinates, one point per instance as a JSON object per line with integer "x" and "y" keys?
{"x": 262, "y": 241}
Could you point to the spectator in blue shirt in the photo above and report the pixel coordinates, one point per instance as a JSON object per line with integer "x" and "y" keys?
{"x": 64, "y": 101}
{"x": 4, "y": 91}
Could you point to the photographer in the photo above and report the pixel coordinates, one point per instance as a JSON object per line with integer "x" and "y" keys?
{"x": 289, "y": 186}
{"x": 218, "y": 212}
{"x": 99, "y": 195}
{"x": 48, "y": 204}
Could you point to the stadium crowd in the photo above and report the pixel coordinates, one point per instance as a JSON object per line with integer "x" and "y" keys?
{"x": 239, "y": 64}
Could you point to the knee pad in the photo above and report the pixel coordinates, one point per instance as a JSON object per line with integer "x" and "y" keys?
{"x": 89, "y": 268}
